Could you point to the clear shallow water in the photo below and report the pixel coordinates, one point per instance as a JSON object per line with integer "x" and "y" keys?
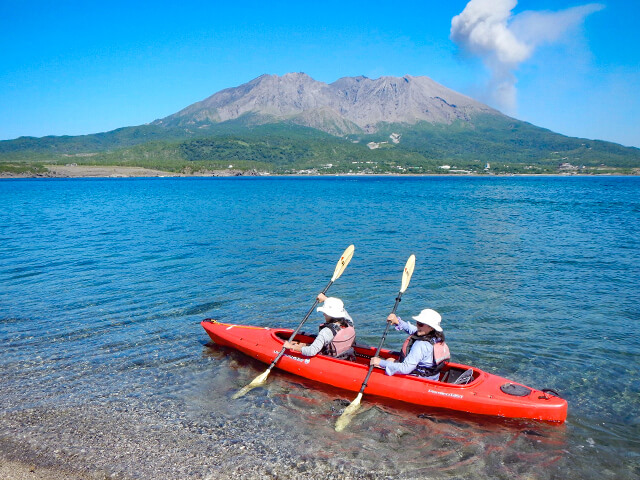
{"x": 105, "y": 366}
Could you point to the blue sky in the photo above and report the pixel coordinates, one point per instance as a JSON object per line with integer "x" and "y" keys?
{"x": 71, "y": 68}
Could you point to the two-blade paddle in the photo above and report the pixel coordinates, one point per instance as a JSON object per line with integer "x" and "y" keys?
{"x": 260, "y": 379}
{"x": 353, "y": 407}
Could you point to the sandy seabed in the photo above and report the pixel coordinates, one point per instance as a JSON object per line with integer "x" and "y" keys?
{"x": 11, "y": 470}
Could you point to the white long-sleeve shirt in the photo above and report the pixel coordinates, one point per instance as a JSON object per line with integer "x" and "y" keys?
{"x": 421, "y": 353}
{"x": 324, "y": 338}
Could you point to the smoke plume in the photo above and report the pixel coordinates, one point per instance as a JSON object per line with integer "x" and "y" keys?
{"x": 488, "y": 29}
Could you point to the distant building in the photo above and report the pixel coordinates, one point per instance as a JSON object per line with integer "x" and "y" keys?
{"x": 374, "y": 145}
{"x": 567, "y": 167}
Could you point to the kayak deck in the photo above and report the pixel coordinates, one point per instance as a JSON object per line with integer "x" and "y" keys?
{"x": 483, "y": 393}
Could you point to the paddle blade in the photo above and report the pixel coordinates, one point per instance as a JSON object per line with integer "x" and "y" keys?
{"x": 256, "y": 382}
{"x": 349, "y": 412}
{"x": 343, "y": 262}
{"x": 408, "y": 271}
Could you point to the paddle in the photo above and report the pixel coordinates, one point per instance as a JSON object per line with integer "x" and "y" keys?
{"x": 260, "y": 379}
{"x": 353, "y": 407}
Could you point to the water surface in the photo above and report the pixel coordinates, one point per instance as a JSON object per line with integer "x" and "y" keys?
{"x": 105, "y": 367}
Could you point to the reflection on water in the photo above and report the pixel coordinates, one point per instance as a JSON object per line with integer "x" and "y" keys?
{"x": 106, "y": 367}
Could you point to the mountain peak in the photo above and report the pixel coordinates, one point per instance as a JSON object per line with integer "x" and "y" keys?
{"x": 297, "y": 76}
{"x": 287, "y": 77}
{"x": 351, "y": 103}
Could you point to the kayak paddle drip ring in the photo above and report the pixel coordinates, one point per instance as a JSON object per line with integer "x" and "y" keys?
{"x": 515, "y": 390}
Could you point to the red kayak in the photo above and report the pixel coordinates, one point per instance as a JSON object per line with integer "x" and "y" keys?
{"x": 461, "y": 388}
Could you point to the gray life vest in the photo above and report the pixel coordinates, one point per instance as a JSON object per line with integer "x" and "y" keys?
{"x": 343, "y": 339}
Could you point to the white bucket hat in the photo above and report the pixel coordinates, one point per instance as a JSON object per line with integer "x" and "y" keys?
{"x": 430, "y": 317}
{"x": 333, "y": 307}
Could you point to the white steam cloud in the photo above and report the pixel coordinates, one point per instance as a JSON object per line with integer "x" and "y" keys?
{"x": 487, "y": 28}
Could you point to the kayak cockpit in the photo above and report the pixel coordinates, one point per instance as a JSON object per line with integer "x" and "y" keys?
{"x": 451, "y": 373}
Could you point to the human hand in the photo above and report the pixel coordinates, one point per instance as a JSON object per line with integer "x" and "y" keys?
{"x": 321, "y": 297}
{"x": 375, "y": 361}
{"x": 294, "y": 346}
{"x": 393, "y": 319}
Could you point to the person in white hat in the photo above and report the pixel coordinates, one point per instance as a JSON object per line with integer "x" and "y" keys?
{"x": 336, "y": 335}
{"x": 424, "y": 352}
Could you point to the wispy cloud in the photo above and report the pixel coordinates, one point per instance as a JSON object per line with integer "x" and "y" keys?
{"x": 488, "y": 29}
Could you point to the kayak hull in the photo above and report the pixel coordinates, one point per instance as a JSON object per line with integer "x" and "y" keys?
{"x": 482, "y": 395}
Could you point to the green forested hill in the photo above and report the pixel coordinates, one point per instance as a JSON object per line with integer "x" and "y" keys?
{"x": 508, "y": 145}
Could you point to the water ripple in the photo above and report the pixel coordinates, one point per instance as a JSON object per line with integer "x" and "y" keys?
{"x": 103, "y": 285}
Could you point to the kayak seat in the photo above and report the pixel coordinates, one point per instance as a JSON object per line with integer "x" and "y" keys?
{"x": 457, "y": 376}
{"x": 465, "y": 378}
{"x": 349, "y": 355}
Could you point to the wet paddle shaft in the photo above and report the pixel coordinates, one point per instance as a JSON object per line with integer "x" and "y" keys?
{"x": 340, "y": 267}
{"x": 345, "y": 418}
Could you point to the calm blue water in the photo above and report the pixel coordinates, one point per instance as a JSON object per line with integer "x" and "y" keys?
{"x": 106, "y": 368}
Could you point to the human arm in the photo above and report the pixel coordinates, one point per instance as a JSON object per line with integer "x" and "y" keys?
{"x": 324, "y": 336}
{"x": 420, "y": 352}
{"x": 401, "y": 325}
{"x": 375, "y": 361}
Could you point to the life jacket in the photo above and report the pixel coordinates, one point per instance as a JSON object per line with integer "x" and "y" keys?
{"x": 343, "y": 339}
{"x": 441, "y": 354}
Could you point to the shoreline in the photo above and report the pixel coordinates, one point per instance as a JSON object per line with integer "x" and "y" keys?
{"x": 90, "y": 171}
{"x": 99, "y": 171}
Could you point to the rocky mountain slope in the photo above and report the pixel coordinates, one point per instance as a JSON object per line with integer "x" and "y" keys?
{"x": 348, "y": 105}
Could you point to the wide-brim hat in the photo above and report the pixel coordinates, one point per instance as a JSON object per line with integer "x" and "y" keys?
{"x": 431, "y": 318}
{"x": 333, "y": 307}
